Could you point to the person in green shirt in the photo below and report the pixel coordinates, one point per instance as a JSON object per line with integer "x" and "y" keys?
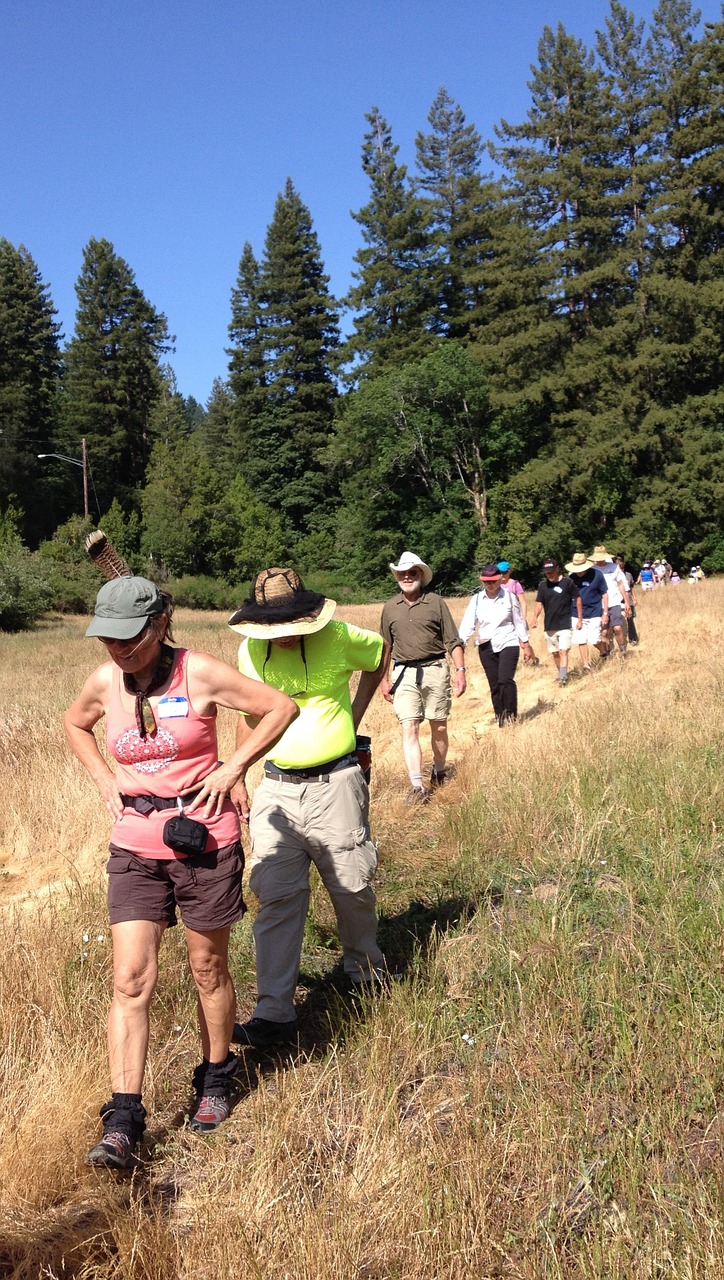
{"x": 313, "y": 803}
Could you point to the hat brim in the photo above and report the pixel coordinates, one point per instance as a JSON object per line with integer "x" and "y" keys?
{"x": 118, "y": 628}
{"x": 279, "y": 630}
{"x": 579, "y": 568}
{"x": 426, "y": 576}
{"x": 490, "y": 577}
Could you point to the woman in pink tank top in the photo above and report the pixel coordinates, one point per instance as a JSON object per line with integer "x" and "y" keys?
{"x": 160, "y": 706}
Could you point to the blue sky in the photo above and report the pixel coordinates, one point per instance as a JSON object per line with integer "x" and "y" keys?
{"x": 169, "y": 126}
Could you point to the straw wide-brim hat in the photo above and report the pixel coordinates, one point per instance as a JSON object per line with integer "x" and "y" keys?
{"x": 599, "y": 555}
{"x": 408, "y": 560}
{"x": 579, "y": 564}
{"x": 281, "y": 606}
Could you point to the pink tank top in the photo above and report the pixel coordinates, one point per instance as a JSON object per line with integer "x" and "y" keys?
{"x": 175, "y": 760}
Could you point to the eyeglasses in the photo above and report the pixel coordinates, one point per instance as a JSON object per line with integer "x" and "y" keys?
{"x": 407, "y": 573}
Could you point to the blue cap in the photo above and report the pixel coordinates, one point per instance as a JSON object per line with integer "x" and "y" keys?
{"x": 503, "y": 565}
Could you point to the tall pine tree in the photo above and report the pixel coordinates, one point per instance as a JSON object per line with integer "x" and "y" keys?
{"x": 460, "y": 206}
{"x": 30, "y": 368}
{"x": 284, "y": 333}
{"x": 395, "y": 295}
{"x": 113, "y": 376}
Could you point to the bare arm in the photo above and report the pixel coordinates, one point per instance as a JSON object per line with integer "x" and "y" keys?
{"x": 536, "y": 613}
{"x": 459, "y": 682}
{"x": 79, "y": 721}
{"x": 368, "y": 682}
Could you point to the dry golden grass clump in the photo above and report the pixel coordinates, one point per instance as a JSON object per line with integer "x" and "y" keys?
{"x": 540, "y": 1092}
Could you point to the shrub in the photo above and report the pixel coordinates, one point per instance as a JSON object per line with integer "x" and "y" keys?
{"x": 24, "y": 591}
{"x": 201, "y": 592}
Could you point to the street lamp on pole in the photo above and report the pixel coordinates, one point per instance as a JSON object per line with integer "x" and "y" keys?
{"x": 77, "y": 462}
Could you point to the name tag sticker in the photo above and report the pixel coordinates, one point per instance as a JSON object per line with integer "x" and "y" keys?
{"x": 558, "y": 590}
{"x": 170, "y": 708}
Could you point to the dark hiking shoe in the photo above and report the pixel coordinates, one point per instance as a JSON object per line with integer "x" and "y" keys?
{"x": 116, "y": 1150}
{"x": 217, "y": 1089}
{"x": 437, "y": 779}
{"x": 262, "y": 1033}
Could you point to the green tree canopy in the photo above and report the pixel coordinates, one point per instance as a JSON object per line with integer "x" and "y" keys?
{"x": 30, "y": 370}
{"x": 113, "y": 376}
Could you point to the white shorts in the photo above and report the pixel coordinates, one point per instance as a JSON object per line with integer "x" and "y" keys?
{"x": 558, "y": 640}
{"x": 590, "y": 632}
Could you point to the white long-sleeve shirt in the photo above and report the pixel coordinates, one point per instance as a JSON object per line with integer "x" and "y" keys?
{"x": 498, "y": 619}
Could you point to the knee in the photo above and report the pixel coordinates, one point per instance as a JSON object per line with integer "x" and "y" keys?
{"x": 209, "y": 973}
{"x": 135, "y": 982}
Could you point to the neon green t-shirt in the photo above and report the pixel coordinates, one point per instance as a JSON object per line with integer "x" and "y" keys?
{"x": 318, "y": 681}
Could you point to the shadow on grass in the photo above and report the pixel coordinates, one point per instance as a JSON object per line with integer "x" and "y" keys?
{"x": 72, "y": 1235}
{"x": 541, "y": 707}
{"x": 333, "y": 1004}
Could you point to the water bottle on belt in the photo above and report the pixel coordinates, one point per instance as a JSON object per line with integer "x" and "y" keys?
{"x": 363, "y": 748}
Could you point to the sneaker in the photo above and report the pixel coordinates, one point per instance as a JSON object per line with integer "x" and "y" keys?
{"x": 563, "y": 680}
{"x": 116, "y": 1150}
{"x": 437, "y": 779}
{"x": 586, "y": 668}
{"x": 262, "y": 1033}
{"x": 209, "y": 1111}
{"x": 417, "y": 795}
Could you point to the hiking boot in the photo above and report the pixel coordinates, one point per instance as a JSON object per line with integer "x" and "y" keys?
{"x": 262, "y": 1033}
{"x": 209, "y": 1111}
{"x": 417, "y": 795}
{"x": 124, "y": 1120}
{"x": 437, "y": 779}
{"x": 116, "y": 1150}
{"x": 217, "y": 1089}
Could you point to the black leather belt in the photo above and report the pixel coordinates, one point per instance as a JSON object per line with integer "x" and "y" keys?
{"x": 315, "y": 772}
{"x": 424, "y": 662}
{"x": 147, "y": 804}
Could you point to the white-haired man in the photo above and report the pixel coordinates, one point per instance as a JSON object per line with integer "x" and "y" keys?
{"x": 421, "y": 632}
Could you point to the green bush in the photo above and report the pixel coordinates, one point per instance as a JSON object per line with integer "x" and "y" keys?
{"x": 201, "y": 592}
{"x": 24, "y": 591}
{"x": 68, "y": 569}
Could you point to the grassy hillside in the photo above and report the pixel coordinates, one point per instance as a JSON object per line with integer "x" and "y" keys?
{"x": 542, "y": 1092}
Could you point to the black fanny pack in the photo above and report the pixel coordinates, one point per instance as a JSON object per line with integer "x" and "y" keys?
{"x": 185, "y": 835}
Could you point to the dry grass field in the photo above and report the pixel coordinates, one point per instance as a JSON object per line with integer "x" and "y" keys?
{"x": 541, "y": 1093}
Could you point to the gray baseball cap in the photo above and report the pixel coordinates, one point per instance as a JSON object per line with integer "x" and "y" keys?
{"x": 123, "y": 608}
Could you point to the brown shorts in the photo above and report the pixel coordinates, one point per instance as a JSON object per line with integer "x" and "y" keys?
{"x": 206, "y": 888}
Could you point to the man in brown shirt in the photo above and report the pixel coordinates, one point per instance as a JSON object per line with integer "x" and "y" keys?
{"x": 420, "y": 630}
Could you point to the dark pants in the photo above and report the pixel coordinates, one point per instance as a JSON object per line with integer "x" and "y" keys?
{"x": 500, "y": 670}
{"x": 633, "y": 634}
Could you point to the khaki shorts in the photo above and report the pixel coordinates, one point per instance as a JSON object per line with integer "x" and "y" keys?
{"x": 430, "y": 700}
{"x": 558, "y": 641}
